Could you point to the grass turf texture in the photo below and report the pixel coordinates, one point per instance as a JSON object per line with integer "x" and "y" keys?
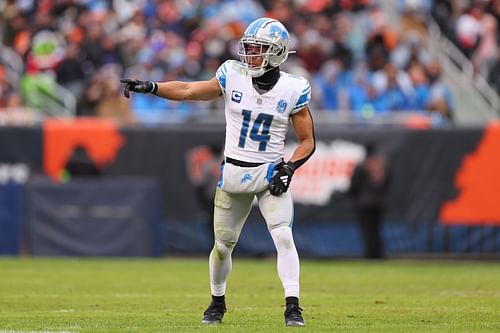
{"x": 170, "y": 295}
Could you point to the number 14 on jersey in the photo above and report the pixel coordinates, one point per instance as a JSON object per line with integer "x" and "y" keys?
{"x": 259, "y": 131}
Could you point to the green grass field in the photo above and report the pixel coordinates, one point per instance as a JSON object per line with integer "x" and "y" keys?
{"x": 170, "y": 295}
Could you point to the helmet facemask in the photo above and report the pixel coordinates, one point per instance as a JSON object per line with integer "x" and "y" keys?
{"x": 258, "y": 56}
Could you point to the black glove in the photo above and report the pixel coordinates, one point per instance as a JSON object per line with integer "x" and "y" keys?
{"x": 143, "y": 87}
{"x": 282, "y": 179}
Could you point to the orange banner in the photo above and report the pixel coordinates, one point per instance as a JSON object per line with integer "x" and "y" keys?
{"x": 478, "y": 182}
{"x": 100, "y": 138}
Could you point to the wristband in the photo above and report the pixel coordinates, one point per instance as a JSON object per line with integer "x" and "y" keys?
{"x": 291, "y": 165}
{"x": 154, "y": 90}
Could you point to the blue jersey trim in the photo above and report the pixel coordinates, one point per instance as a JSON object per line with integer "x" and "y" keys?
{"x": 219, "y": 183}
{"x": 305, "y": 95}
{"x": 221, "y": 76}
{"x": 270, "y": 170}
{"x": 222, "y": 81}
{"x": 303, "y": 100}
{"x": 307, "y": 89}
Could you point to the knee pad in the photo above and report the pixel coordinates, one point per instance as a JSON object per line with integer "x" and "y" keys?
{"x": 222, "y": 250}
{"x": 283, "y": 237}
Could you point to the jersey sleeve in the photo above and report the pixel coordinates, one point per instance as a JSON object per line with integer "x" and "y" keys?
{"x": 304, "y": 95}
{"x": 221, "y": 75}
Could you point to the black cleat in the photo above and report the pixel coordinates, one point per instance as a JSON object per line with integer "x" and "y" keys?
{"x": 293, "y": 315}
{"x": 213, "y": 315}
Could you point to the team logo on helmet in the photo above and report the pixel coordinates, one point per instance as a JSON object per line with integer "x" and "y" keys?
{"x": 275, "y": 31}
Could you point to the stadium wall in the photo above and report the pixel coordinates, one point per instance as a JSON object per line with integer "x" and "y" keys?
{"x": 443, "y": 197}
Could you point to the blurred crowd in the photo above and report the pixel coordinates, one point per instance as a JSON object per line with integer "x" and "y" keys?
{"x": 355, "y": 61}
{"x": 473, "y": 27}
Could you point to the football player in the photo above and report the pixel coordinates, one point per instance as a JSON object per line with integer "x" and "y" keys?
{"x": 260, "y": 102}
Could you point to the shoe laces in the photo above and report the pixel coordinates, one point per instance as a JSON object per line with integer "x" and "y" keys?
{"x": 215, "y": 309}
{"x": 293, "y": 311}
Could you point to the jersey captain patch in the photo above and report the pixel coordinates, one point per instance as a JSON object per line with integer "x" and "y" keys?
{"x": 236, "y": 96}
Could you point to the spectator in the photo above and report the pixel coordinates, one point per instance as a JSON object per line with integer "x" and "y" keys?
{"x": 204, "y": 165}
{"x": 362, "y": 96}
{"x": 313, "y": 52}
{"x": 91, "y": 95}
{"x": 381, "y": 40}
{"x": 443, "y": 11}
{"x": 470, "y": 28}
{"x": 410, "y": 49}
{"x": 92, "y": 44}
{"x": 70, "y": 71}
{"x": 329, "y": 86}
{"x": 413, "y": 16}
{"x": 440, "y": 100}
{"x": 369, "y": 184}
{"x": 394, "y": 89}
{"x": 111, "y": 104}
{"x": 5, "y": 88}
{"x": 487, "y": 48}
{"x": 421, "y": 85}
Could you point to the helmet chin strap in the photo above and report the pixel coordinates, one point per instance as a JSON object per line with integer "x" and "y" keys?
{"x": 267, "y": 80}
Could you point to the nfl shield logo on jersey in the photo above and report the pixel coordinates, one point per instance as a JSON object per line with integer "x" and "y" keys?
{"x": 281, "y": 107}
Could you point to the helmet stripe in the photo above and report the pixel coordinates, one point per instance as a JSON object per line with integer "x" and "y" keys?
{"x": 255, "y": 26}
{"x": 267, "y": 21}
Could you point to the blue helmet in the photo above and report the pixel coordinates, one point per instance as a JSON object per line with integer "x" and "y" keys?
{"x": 274, "y": 42}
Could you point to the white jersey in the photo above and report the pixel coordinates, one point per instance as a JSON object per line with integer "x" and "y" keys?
{"x": 257, "y": 124}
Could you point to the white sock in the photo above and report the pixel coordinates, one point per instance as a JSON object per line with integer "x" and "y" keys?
{"x": 220, "y": 265}
{"x": 288, "y": 260}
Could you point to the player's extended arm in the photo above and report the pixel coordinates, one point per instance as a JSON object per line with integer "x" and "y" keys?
{"x": 197, "y": 91}
{"x": 304, "y": 129}
{"x": 175, "y": 90}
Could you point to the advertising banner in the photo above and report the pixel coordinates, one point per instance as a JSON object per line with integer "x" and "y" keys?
{"x": 92, "y": 217}
{"x": 448, "y": 175}
{"x": 423, "y": 166}
{"x": 442, "y": 197}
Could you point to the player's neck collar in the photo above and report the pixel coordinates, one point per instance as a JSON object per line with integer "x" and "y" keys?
{"x": 267, "y": 80}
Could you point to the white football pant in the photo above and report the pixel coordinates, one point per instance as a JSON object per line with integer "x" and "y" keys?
{"x": 230, "y": 214}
